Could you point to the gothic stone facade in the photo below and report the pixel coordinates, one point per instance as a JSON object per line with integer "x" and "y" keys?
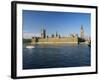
{"x": 44, "y": 39}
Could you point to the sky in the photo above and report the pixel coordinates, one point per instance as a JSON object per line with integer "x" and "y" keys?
{"x": 65, "y": 23}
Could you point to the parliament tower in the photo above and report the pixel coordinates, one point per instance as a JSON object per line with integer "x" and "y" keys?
{"x": 43, "y": 33}
{"x": 82, "y": 32}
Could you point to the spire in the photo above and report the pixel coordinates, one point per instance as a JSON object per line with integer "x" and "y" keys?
{"x": 56, "y": 34}
{"x": 81, "y": 27}
{"x": 81, "y": 32}
{"x": 43, "y": 32}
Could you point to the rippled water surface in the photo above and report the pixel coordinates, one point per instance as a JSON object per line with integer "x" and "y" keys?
{"x": 54, "y": 56}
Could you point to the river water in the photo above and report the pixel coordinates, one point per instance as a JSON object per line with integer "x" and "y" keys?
{"x": 56, "y": 56}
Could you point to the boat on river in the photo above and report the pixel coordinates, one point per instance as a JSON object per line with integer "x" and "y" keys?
{"x": 30, "y": 46}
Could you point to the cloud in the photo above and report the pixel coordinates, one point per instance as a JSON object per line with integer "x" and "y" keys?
{"x": 28, "y": 35}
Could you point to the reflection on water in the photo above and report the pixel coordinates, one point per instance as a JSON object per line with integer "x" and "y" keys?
{"x": 53, "y": 56}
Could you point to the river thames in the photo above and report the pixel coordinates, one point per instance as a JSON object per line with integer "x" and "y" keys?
{"x": 56, "y": 56}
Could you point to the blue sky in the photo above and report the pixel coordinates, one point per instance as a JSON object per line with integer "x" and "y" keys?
{"x": 64, "y": 23}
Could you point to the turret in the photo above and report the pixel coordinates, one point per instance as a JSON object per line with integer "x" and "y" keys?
{"x": 43, "y": 33}
{"x": 56, "y": 34}
{"x": 82, "y": 32}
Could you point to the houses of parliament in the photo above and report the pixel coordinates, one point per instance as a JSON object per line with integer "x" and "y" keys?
{"x": 57, "y": 38}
